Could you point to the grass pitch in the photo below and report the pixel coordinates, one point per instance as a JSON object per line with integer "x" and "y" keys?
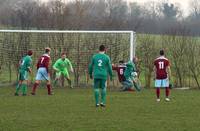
{"x": 74, "y": 110}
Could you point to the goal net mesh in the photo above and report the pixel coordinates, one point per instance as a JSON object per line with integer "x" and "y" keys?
{"x": 79, "y": 47}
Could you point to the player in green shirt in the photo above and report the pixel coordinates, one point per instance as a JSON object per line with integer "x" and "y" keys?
{"x": 61, "y": 67}
{"x": 99, "y": 68}
{"x": 24, "y": 68}
{"x": 130, "y": 75}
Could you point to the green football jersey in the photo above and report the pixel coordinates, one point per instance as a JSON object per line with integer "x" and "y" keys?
{"x": 26, "y": 63}
{"x": 62, "y": 65}
{"x": 100, "y": 66}
{"x": 130, "y": 69}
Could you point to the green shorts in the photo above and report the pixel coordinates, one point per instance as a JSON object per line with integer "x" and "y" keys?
{"x": 23, "y": 75}
{"x": 99, "y": 83}
{"x": 64, "y": 73}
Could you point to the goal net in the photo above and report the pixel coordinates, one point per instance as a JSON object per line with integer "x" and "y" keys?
{"x": 78, "y": 45}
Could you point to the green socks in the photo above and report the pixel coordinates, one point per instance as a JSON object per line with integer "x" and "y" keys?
{"x": 137, "y": 86}
{"x": 69, "y": 82}
{"x": 24, "y": 89}
{"x": 103, "y": 95}
{"x": 55, "y": 82}
{"x": 18, "y": 88}
{"x": 96, "y": 95}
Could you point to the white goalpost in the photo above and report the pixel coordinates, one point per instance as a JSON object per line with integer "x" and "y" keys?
{"x": 79, "y": 45}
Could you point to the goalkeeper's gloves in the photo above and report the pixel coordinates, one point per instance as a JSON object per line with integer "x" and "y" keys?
{"x": 134, "y": 74}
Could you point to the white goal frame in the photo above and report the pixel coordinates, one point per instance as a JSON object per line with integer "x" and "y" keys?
{"x": 132, "y": 35}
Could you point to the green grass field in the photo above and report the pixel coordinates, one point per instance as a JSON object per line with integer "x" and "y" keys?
{"x": 74, "y": 110}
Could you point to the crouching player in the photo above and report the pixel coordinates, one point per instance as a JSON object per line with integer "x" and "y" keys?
{"x": 42, "y": 71}
{"x": 131, "y": 81}
{"x": 24, "y": 68}
{"x": 61, "y": 67}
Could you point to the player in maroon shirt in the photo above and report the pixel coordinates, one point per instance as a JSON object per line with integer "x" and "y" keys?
{"x": 120, "y": 70}
{"x": 43, "y": 71}
{"x": 162, "y": 75}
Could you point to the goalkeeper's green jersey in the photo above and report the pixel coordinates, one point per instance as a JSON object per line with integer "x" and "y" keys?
{"x": 25, "y": 63}
{"x": 129, "y": 71}
{"x": 100, "y": 66}
{"x": 62, "y": 65}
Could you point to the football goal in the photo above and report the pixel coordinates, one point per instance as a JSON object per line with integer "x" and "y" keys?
{"x": 78, "y": 45}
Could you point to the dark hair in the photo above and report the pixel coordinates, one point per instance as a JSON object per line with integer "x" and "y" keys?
{"x": 47, "y": 50}
{"x": 63, "y": 54}
{"x": 162, "y": 52}
{"x": 102, "y": 48}
{"x": 30, "y": 52}
{"x": 121, "y": 61}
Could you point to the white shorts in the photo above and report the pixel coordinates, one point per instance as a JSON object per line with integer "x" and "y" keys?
{"x": 42, "y": 74}
{"x": 163, "y": 83}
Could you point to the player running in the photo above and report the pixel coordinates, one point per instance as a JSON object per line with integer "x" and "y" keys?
{"x": 24, "y": 69}
{"x": 162, "y": 75}
{"x": 99, "y": 67}
{"x": 61, "y": 67}
{"x": 43, "y": 72}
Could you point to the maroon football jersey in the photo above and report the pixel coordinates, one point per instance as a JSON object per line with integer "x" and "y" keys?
{"x": 161, "y": 64}
{"x": 120, "y": 72}
{"x": 44, "y": 61}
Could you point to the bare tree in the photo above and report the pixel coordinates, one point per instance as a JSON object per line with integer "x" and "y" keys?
{"x": 147, "y": 50}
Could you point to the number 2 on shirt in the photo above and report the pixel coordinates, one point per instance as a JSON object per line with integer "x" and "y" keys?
{"x": 100, "y": 63}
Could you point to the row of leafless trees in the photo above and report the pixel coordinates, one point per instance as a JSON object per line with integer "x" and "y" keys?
{"x": 182, "y": 50}
{"x": 152, "y": 17}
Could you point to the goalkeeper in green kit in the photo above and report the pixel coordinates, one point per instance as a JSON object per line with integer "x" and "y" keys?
{"x": 24, "y": 68}
{"x": 61, "y": 67}
{"x": 99, "y": 67}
